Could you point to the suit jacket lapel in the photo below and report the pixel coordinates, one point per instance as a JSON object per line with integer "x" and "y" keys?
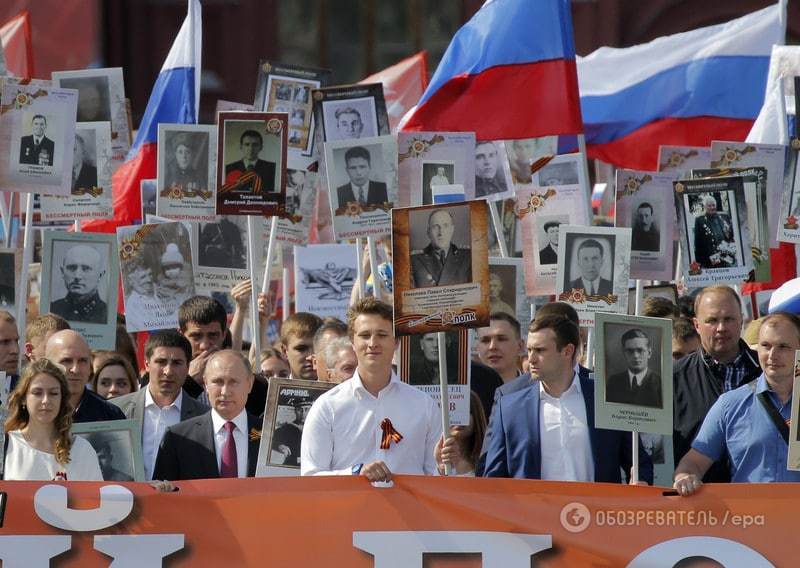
{"x": 531, "y": 404}
{"x": 587, "y": 389}
{"x": 138, "y": 410}
{"x": 206, "y": 438}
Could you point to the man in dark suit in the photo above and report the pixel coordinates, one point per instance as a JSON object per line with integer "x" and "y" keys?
{"x": 84, "y": 175}
{"x": 31, "y": 146}
{"x": 646, "y": 236}
{"x": 638, "y": 385}
{"x": 217, "y": 443}
{"x": 251, "y": 142}
{"x": 441, "y": 263}
{"x": 549, "y": 254}
{"x": 530, "y": 438}
{"x": 711, "y": 231}
{"x": 360, "y": 189}
{"x": 590, "y": 262}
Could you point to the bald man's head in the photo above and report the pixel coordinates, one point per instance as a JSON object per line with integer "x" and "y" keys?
{"x": 70, "y": 350}
{"x": 82, "y": 269}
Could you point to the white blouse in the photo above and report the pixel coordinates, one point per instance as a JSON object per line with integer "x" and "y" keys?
{"x": 25, "y": 463}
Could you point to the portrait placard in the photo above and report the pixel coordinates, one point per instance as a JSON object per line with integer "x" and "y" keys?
{"x": 294, "y": 225}
{"x": 429, "y": 159}
{"x": 362, "y": 183}
{"x": 542, "y": 212}
{"x": 282, "y": 87}
{"x": 593, "y": 270}
{"x": 288, "y": 403}
{"x": 507, "y": 289}
{"x": 223, "y": 106}
{"x": 644, "y": 204}
{"x": 251, "y": 158}
{"x": 37, "y": 136}
{"x": 755, "y": 194}
{"x": 79, "y": 283}
{"x": 90, "y": 194}
{"x": 666, "y": 291}
{"x": 679, "y": 161}
{"x": 101, "y": 98}
{"x": 749, "y": 155}
{"x": 789, "y": 225}
{"x": 493, "y": 180}
{"x": 219, "y": 250}
{"x": 563, "y": 169}
{"x": 793, "y": 461}
{"x": 350, "y": 112}
{"x": 661, "y": 451}
{"x": 762, "y": 298}
{"x": 714, "y": 237}
{"x": 187, "y": 167}
{"x": 157, "y": 276}
{"x": 147, "y": 187}
{"x": 118, "y": 444}
{"x": 419, "y": 367}
{"x": 524, "y": 152}
{"x": 633, "y": 392}
{"x": 441, "y": 267}
{"x": 10, "y": 271}
{"x": 324, "y": 276}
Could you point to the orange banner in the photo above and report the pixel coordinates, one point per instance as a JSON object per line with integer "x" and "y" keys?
{"x": 342, "y": 521}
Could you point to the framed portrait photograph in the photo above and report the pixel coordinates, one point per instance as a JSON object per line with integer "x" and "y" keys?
{"x": 793, "y": 461}
{"x": 666, "y": 291}
{"x": 288, "y": 403}
{"x": 79, "y": 283}
{"x": 524, "y": 152}
{"x": 324, "y": 276}
{"x": 419, "y": 367}
{"x": 147, "y": 188}
{"x": 90, "y": 193}
{"x": 679, "y": 161}
{"x": 251, "y": 158}
{"x": 541, "y": 213}
{"x": 507, "y": 289}
{"x": 362, "y": 185}
{"x": 37, "y": 134}
{"x": 633, "y": 373}
{"x": 118, "y": 444}
{"x": 644, "y": 204}
{"x": 10, "y": 269}
{"x": 157, "y": 274}
{"x": 101, "y": 98}
{"x": 563, "y": 169}
{"x": 219, "y": 250}
{"x": 187, "y": 167}
{"x": 441, "y": 267}
{"x": 427, "y": 160}
{"x": 351, "y": 112}
{"x": 593, "y": 270}
{"x": 294, "y": 224}
{"x": 493, "y": 180}
{"x": 749, "y": 155}
{"x": 714, "y": 236}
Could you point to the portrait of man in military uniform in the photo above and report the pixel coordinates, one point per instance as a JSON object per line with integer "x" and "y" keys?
{"x": 82, "y": 269}
{"x": 442, "y": 262}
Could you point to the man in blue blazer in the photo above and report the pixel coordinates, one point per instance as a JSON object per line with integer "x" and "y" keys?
{"x": 546, "y": 430}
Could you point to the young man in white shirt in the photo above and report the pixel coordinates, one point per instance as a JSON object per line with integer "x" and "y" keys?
{"x": 373, "y": 424}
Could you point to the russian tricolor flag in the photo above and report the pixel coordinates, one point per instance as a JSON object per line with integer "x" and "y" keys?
{"x": 174, "y": 99}
{"x": 508, "y": 73}
{"x": 685, "y": 89}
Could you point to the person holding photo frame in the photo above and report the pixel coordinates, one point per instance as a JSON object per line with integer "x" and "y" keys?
{"x": 40, "y": 444}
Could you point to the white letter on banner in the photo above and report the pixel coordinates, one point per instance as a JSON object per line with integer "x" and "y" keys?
{"x": 32, "y": 551}
{"x": 50, "y": 503}
{"x": 404, "y": 549}
{"x": 134, "y": 551}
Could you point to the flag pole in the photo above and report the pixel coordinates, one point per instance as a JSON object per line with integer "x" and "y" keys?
{"x": 27, "y": 252}
{"x": 373, "y": 267}
{"x": 252, "y": 227}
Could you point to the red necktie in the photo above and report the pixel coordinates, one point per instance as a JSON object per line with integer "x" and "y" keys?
{"x": 229, "y": 466}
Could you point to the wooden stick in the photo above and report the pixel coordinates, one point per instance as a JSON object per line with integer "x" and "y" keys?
{"x": 27, "y": 258}
{"x": 498, "y": 230}
{"x": 373, "y": 267}
{"x": 445, "y": 400}
{"x": 253, "y": 225}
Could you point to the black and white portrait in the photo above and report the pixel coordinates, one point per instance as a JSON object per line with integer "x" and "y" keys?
{"x": 333, "y": 281}
{"x": 490, "y": 176}
{"x": 78, "y": 280}
{"x": 350, "y": 118}
{"x": 436, "y": 172}
{"x": 292, "y": 411}
{"x": 115, "y": 454}
{"x": 185, "y": 161}
{"x": 424, "y": 358}
{"x": 715, "y": 229}
{"x": 547, "y": 231}
{"x": 37, "y": 145}
{"x": 634, "y": 378}
{"x": 522, "y": 153}
{"x": 646, "y": 234}
{"x": 223, "y": 243}
{"x": 359, "y": 173}
{"x": 590, "y": 263}
{"x": 440, "y": 241}
{"x": 84, "y": 161}
{"x": 503, "y": 288}
{"x": 563, "y": 173}
{"x": 94, "y": 100}
{"x": 7, "y": 279}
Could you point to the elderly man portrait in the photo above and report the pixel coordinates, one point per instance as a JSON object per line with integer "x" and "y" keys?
{"x": 548, "y": 254}
{"x": 489, "y": 177}
{"x": 441, "y": 262}
{"x": 646, "y": 236}
{"x": 360, "y": 188}
{"x": 84, "y": 174}
{"x": 714, "y": 245}
{"x": 82, "y": 268}
{"x": 37, "y": 148}
{"x": 348, "y": 124}
{"x": 638, "y": 384}
{"x": 590, "y": 260}
{"x": 251, "y": 143}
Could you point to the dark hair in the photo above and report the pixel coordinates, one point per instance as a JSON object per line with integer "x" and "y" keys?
{"x": 346, "y": 110}
{"x": 656, "y": 307}
{"x": 167, "y": 338}
{"x": 506, "y": 317}
{"x": 683, "y": 329}
{"x": 644, "y": 204}
{"x": 550, "y": 224}
{"x": 565, "y": 330}
{"x": 590, "y": 243}
{"x": 633, "y": 334}
{"x": 357, "y": 152}
{"x": 109, "y": 359}
{"x": 251, "y": 134}
{"x": 557, "y": 308}
{"x": 202, "y": 310}
{"x": 792, "y": 319}
{"x": 718, "y": 289}
{"x": 368, "y": 306}
{"x": 336, "y": 326}
{"x": 43, "y": 117}
{"x": 686, "y": 306}
{"x": 300, "y": 324}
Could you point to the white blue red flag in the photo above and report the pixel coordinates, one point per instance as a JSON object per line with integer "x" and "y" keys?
{"x": 685, "y": 89}
{"x": 174, "y": 99}
{"x": 508, "y": 73}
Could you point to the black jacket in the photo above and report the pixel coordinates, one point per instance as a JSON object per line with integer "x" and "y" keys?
{"x": 93, "y": 408}
{"x": 696, "y": 389}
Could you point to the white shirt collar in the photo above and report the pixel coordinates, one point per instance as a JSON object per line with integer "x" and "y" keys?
{"x": 359, "y": 390}
{"x": 574, "y": 388}
{"x": 638, "y": 377}
{"x": 148, "y": 398}
{"x": 240, "y": 421}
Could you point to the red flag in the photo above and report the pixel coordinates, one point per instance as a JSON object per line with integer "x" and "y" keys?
{"x": 403, "y": 85}
{"x": 15, "y": 35}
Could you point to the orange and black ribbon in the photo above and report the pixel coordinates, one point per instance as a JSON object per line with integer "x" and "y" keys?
{"x": 389, "y": 434}
{"x": 94, "y": 191}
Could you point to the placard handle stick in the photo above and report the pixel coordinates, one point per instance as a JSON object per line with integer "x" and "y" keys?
{"x": 590, "y": 348}
{"x": 498, "y": 230}
{"x": 373, "y": 267}
{"x": 585, "y": 165}
{"x": 27, "y": 258}
{"x": 253, "y": 226}
{"x": 10, "y": 220}
{"x": 4, "y": 212}
{"x": 678, "y": 265}
{"x": 285, "y": 291}
{"x": 639, "y": 297}
{"x": 76, "y": 226}
{"x": 362, "y": 288}
{"x": 268, "y": 260}
{"x": 635, "y": 458}
{"x": 442, "y": 339}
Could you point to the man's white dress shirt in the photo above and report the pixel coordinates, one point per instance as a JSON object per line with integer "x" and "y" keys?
{"x": 240, "y": 436}
{"x": 156, "y": 422}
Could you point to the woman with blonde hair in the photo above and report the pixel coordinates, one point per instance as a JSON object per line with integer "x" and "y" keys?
{"x": 40, "y": 446}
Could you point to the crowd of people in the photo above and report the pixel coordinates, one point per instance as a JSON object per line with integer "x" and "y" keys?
{"x": 199, "y": 399}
